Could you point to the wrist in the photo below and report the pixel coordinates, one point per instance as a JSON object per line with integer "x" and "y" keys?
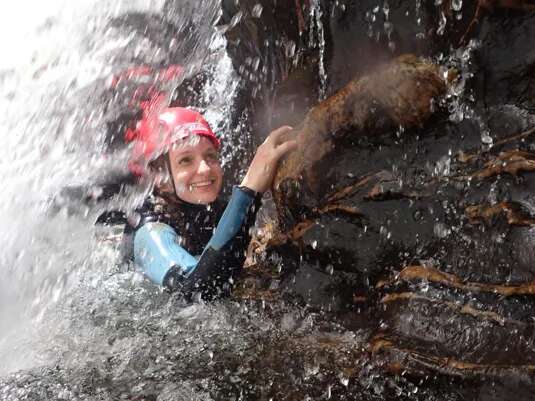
{"x": 249, "y": 191}
{"x": 251, "y": 185}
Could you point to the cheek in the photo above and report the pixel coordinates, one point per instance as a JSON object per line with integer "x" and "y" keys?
{"x": 182, "y": 178}
{"x": 218, "y": 171}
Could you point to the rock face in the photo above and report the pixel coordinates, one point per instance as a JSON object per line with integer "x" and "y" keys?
{"x": 396, "y": 203}
{"x": 401, "y": 93}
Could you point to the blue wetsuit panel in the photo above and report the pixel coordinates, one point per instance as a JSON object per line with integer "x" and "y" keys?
{"x": 156, "y": 249}
{"x": 232, "y": 219}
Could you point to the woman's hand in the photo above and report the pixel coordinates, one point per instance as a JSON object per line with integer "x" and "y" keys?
{"x": 264, "y": 165}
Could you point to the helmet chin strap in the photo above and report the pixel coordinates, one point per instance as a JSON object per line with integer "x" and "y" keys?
{"x": 169, "y": 169}
{"x": 168, "y": 163}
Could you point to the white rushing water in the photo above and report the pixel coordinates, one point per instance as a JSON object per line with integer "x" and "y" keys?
{"x": 58, "y": 58}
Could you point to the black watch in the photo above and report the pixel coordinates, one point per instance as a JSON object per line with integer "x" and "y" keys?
{"x": 249, "y": 191}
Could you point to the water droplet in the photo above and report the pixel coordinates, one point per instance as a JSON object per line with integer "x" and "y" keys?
{"x": 236, "y": 19}
{"x": 311, "y": 369}
{"x": 389, "y": 28}
{"x": 486, "y": 138}
{"x": 257, "y": 10}
{"x": 443, "y": 166}
{"x": 386, "y": 9}
{"x": 424, "y": 286}
{"x": 290, "y": 49}
{"x": 278, "y": 268}
{"x": 256, "y": 63}
{"x": 317, "y": 37}
{"x": 441, "y": 230}
{"x": 314, "y": 244}
{"x": 442, "y": 24}
{"x": 456, "y": 5}
{"x": 328, "y": 392}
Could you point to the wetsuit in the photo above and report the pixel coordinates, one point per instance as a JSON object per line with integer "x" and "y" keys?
{"x": 193, "y": 248}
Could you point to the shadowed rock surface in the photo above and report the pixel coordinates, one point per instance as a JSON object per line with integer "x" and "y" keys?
{"x": 420, "y": 222}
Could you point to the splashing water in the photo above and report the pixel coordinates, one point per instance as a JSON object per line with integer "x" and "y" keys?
{"x": 66, "y": 301}
{"x": 459, "y": 99}
{"x": 54, "y": 121}
{"x": 317, "y": 37}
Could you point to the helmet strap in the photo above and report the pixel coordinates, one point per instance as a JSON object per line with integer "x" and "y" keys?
{"x": 168, "y": 163}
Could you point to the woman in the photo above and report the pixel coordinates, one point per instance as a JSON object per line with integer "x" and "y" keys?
{"x": 186, "y": 239}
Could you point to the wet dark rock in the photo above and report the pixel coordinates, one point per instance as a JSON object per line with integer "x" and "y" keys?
{"x": 506, "y": 60}
{"x": 427, "y": 227}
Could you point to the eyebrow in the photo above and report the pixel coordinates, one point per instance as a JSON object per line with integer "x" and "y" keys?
{"x": 188, "y": 152}
{"x": 184, "y": 153}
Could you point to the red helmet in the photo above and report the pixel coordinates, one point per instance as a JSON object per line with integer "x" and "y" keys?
{"x": 155, "y": 133}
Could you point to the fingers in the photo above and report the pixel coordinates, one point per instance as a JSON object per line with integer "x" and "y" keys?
{"x": 285, "y": 147}
{"x": 277, "y": 136}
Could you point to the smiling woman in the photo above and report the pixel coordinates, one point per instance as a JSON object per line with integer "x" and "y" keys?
{"x": 197, "y": 175}
{"x": 184, "y": 237}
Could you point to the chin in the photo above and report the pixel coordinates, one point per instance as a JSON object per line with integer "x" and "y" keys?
{"x": 206, "y": 200}
{"x": 201, "y": 198}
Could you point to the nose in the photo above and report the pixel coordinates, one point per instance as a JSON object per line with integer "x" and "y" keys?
{"x": 203, "y": 167}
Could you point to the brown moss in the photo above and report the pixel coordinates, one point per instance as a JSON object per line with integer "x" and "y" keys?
{"x": 511, "y": 211}
{"x": 431, "y": 274}
{"x": 400, "y": 93}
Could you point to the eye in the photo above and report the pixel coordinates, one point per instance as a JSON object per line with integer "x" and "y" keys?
{"x": 184, "y": 161}
{"x": 212, "y": 157}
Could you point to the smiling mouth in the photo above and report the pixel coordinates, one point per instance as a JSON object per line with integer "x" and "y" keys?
{"x": 201, "y": 184}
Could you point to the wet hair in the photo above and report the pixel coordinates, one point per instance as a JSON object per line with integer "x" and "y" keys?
{"x": 160, "y": 170}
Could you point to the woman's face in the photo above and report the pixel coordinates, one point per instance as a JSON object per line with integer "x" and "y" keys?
{"x": 196, "y": 170}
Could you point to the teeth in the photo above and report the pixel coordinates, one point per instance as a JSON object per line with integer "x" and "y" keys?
{"x": 201, "y": 184}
